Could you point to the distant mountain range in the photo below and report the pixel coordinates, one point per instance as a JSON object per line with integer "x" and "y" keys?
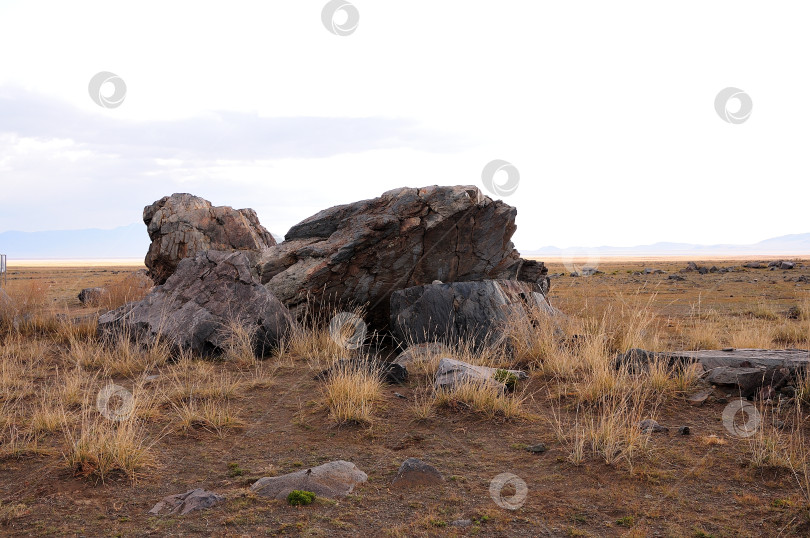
{"x": 794, "y": 244}
{"x": 124, "y": 242}
{"x": 132, "y": 242}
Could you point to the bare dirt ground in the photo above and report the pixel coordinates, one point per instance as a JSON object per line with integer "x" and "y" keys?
{"x": 707, "y": 483}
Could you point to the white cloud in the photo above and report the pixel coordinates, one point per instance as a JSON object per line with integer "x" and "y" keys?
{"x": 606, "y": 108}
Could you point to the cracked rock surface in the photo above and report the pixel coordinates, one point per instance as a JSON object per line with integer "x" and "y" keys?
{"x": 182, "y": 225}
{"x": 359, "y": 253}
{"x": 194, "y": 308}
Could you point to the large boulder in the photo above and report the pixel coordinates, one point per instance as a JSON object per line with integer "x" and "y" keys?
{"x": 181, "y": 225}
{"x": 196, "y": 305}
{"x": 360, "y": 253}
{"x": 331, "y": 480}
{"x": 472, "y": 311}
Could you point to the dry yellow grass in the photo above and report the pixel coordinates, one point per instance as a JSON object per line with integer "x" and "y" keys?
{"x": 128, "y": 288}
{"x": 213, "y": 416}
{"x": 487, "y": 399}
{"x": 571, "y": 360}
{"x": 351, "y": 393}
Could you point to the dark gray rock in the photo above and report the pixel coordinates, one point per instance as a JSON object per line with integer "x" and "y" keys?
{"x": 360, "y": 253}
{"x": 448, "y": 313}
{"x": 787, "y": 265}
{"x": 190, "y": 501}
{"x": 676, "y": 277}
{"x": 747, "y": 379}
{"x": 193, "y": 309}
{"x": 331, "y": 480}
{"x": 651, "y": 426}
{"x": 92, "y": 296}
{"x": 389, "y": 372}
{"x": 537, "y": 449}
{"x": 684, "y": 430}
{"x": 416, "y": 473}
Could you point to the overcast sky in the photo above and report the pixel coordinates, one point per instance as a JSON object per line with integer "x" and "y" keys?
{"x": 606, "y": 109}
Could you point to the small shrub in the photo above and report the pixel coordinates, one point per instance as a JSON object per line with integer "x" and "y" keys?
{"x": 299, "y": 497}
{"x": 234, "y": 470}
{"x": 626, "y": 521}
{"x": 507, "y": 378}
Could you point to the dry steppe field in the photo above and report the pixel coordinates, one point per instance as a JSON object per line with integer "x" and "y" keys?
{"x": 65, "y": 469}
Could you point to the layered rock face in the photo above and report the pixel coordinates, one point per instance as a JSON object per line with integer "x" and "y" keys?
{"x": 181, "y": 225}
{"x": 195, "y": 307}
{"x": 359, "y": 253}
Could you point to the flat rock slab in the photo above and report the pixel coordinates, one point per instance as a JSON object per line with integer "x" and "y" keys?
{"x": 449, "y": 313}
{"x": 190, "y": 501}
{"x": 331, "y": 480}
{"x": 747, "y": 369}
{"x": 745, "y": 358}
{"x": 416, "y": 473}
{"x": 452, "y": 372}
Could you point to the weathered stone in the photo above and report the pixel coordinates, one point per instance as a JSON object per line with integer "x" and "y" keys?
{"x": 181, "y": 225}
{"x": 778, "y": 365}
{"x": 416, "y": 473}
{"x": 451, "y": 373}
{"x": 651, "y": 426}
{"x": 699, "y": 398}
{"x": 449, "y": 313}
{"x": 787, "y": 265}
{"x": 422, "y": 352}
{"x": 195, "y": 307}
{"x": 360, "y": 253}
{"x": 747, "y": 379}
{"x": 92, "y": 296}
{"x": 190, "y": 501}
{"x": 331, "y": 480}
